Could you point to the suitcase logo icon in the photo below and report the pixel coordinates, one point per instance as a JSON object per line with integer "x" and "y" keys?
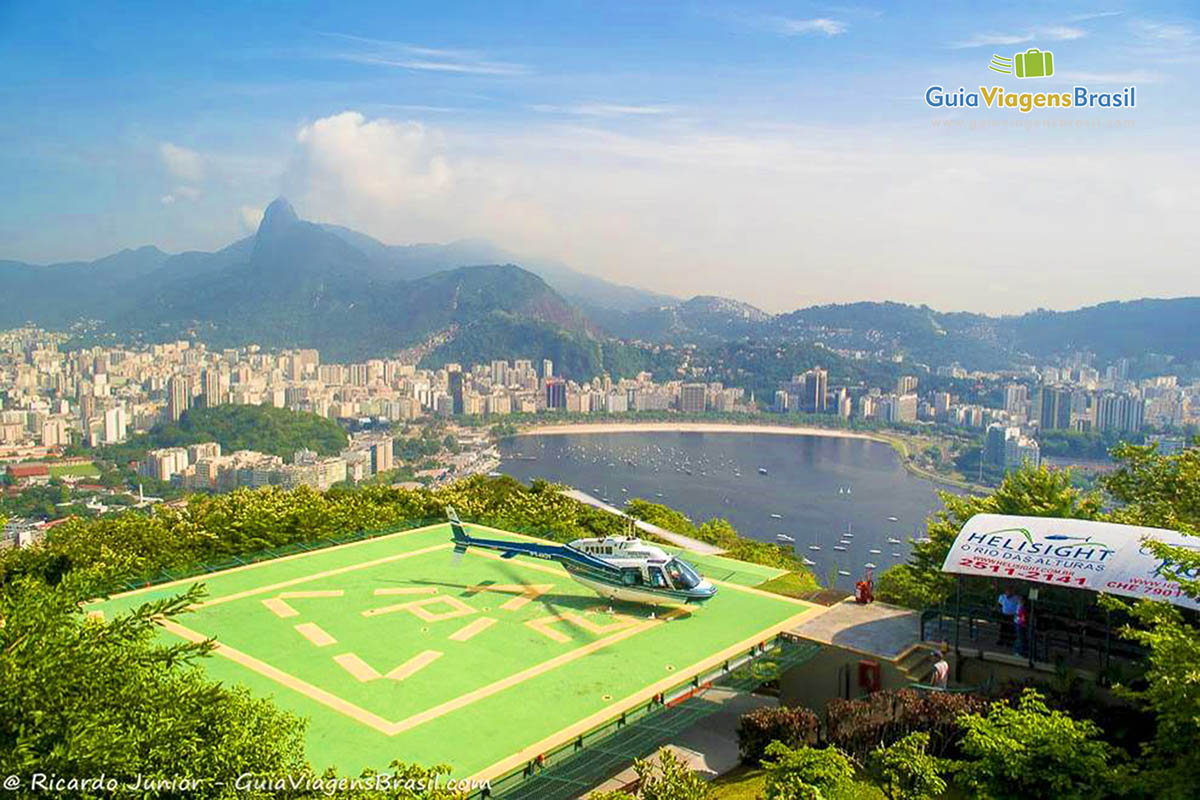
{"x": 1033, "y": 63}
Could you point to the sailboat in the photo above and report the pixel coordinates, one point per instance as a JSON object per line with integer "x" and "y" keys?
{"x": 808, "y": 562}
{"x": 814, "y": 545}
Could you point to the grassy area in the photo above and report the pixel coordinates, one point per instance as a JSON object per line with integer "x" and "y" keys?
{"x": 740, "y": 783}
{"x": 750, "y": 783}
{"x": 792, "y": 584}
{"x": 88, "y": 470}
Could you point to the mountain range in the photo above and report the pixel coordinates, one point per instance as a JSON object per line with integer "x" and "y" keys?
{"x": 296, "y": 283}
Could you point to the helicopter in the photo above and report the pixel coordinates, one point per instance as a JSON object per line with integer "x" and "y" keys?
{"x": 622, "y": 568}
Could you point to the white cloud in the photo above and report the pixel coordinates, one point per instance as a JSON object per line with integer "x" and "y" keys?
{"x": 1052, "y": 33}
{"x": 788, "y": 26}
{"x": 385, "y": 53}
{"x": 780, "y": 218}
{"x": 182, "y": 163}
{"x": 180, "y": 193}
{"x": 250, "y": 217}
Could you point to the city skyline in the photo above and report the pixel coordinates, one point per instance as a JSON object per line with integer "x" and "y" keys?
{"x": 781, "y": 156}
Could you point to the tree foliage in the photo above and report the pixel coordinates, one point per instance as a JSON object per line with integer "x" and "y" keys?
{"x": 264, "y": 428}
{"x": 85, "y": 696}
{"x": 1029, "y": 750}
{"x": 1028, "y": 491}
{"x": 906, "y": 771}
{"x": 718, "y": 532}
{"x": 662, "y": 777}
{"x": 807, "y": 773}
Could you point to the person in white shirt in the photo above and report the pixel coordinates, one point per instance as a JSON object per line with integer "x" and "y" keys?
{"x": 940, "y": 674}
{"x": 1009, "y": 603}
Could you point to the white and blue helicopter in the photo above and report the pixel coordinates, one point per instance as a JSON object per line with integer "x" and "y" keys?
{"x": 620, "y": 568}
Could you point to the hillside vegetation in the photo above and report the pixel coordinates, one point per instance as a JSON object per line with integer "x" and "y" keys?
{"x": 264, "y": 428}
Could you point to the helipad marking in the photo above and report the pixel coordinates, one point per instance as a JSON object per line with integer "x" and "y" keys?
{"x": 469, "y": 630}
{"x": 315, "y": 634}
{"x": 406, "y": 590}
{"x": 279, "y": 606}
{"x": 414, "y": 664}
{"x": 525, "y": 592}
{"x": 357, "y": 667}
{"x": 542, "y": 626}
{"x": 457, "y": 608}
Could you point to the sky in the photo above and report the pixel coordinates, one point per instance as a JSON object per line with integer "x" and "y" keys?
{"x": 781, "y": 153}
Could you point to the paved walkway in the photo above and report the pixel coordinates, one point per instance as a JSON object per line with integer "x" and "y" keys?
{"x": 875, "y": 628}
{"x": 710, "y": 746}
{"x": 677, "y": 539}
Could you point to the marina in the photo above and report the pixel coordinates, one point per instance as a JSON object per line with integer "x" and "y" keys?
{"x": 836, "y": 494}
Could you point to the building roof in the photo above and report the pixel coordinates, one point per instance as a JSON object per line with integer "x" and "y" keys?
{"x": 28, "y": 470}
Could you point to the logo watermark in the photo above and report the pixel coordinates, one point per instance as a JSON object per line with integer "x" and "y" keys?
{"x": 1033, "y": 63}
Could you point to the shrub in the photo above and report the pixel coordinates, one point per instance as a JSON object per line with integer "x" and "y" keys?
{"x": 1032, "y": 751}
{"x": 906, "y": 771}
{"x": 793, "y": 726}
{"x": 880, "y": 719}
{"x": 806, "y": 773}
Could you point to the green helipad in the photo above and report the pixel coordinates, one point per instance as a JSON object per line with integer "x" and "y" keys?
{"x": 393, "y": 651}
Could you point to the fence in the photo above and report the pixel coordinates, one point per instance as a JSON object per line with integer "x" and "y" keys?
{"x": 573, "y": 768}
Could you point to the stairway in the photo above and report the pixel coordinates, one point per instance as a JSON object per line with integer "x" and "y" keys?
{"x": 916, "y": 664}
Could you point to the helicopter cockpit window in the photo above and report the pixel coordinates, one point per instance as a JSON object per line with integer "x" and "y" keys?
{"x": 681, "y": 574}
{"x": 656, "y": 578}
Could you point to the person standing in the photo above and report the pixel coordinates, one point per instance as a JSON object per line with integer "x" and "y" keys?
{"x": 1021, "y": 627}
{"x": 940, "y": 673}
{"x": 1008, "y": 602}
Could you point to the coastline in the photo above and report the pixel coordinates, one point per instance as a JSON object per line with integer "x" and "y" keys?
{"x": 897, "y": 445}
{"x": 691, "y": 427}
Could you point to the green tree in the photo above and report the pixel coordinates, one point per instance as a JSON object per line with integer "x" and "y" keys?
{"x": 1164, "y": 491}
{"x": 84, "y": 697}
{"x": 663, "y": 777}
{"x": 906, "y": 771}
{"x": 1028, "y": 491}
{"x": 807, "y": 773}
{"x": 1032, "y": 751}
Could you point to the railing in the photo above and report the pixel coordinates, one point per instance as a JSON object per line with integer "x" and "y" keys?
{"x": 574, "y": 767}
{"x": 1050, "y": 637}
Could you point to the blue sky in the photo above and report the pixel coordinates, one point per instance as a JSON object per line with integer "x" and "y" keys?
{"x": 781, "y": 153}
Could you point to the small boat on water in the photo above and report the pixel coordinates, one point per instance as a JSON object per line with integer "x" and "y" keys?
{"x": 814, "y": 547}
{"x": 843, "y": 573}
{"x": 874, "y": 551}
{"x": 783, "y": 537}
{"x": 896, "y": 555}
{"x": 808, "y": 562}
{"x": 841, "y": 548}
{"x": 893, "y": 540}
{"x": 777, "y": 516}
{"x": 869, "y": 565}
{"x": 762, "y": 470}
{"x": 893, "y": 519}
